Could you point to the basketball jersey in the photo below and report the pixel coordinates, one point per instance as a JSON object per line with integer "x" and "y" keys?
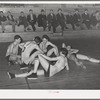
{"x": 12, "y": 49}
{"x": 29, "y": 47}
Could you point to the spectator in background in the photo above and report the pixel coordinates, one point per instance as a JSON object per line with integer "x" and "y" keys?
{"x": 61, "y": 20}
{"x": 70, "y": 20}
{"x": 42, "y": 21}
{"x": 93, "y": 20}
{"x": 77, "y": 19}
{"x": 32, "y": 19}
{"x": 86, "y": 18}
{"x": 23, "y": 21}
{"x": 52, "y": 22}
{"x": 98, "y": 19}
{"x": 10, "y": 20}
{"x": 2, "y": 20}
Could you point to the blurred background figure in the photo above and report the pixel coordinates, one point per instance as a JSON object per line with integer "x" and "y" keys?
{"x": 77, "y": 19}
{"x": 10, "y": 20}
{"x": 31, "y": 18}
{"x": 98, "y": 19}
{"x": 86, "y": 18}
{"x": 52, "y": 22}
{"x": 93, "y": 20}
{"x": 42, "y": 20}
{"x": 23, "y": 21}
{"x": 70, "y": 19}
{"x": 3, "y": 19}
{"x": 61, "y": 19}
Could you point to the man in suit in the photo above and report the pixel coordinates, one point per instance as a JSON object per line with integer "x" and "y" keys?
{"x": 2, "y": 21}
{"x": 61, "y": 19}
{"x": 32, "y": 19}
{"x": 77, "y": 19}
{"x": 70, "y": 20}
{"x": 93, "y": 19}
{"x": 51, "y": 18}
{"x": 23, "y": 21}
{"x": 10, "y": 20}
{"x": 42, "y": 20}
{"x": 86, "y": 18}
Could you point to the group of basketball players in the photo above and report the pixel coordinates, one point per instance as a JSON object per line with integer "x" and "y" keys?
{"x": 42, "y": 52}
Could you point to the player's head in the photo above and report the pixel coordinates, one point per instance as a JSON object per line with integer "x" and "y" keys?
{"x": 76, "y": 11}
{"x": 30, "y": 11}
{"x": 63, "y": 51}
{"x": 45, "y": 38}
{"x": 59, "y": 10}
{"x": 86, "y": 10}
{"x": 42, "y": 11}
{"x": 18, "y": 39}
{"x": 51, "y": 11}
{"x": 37, "y": 39}
{"x": 68, "y": 47}
{"x": 22, "y": 13}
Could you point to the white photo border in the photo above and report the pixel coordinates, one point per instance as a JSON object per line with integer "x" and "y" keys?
{"x": 49, "y": 94}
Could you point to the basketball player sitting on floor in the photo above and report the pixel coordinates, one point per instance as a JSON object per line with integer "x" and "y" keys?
{"x": 30, "y": 50}
{"x": 47, "y": 47}
{"x": 12, "y": 54}
{"x": 49, "y": 69}
{"x": 73, "y": 55}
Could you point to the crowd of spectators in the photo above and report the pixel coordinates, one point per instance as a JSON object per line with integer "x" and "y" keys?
{"x": 52, "y": 20}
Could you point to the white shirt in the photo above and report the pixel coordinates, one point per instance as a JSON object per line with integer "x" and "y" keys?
{"x": 31, "y": 16}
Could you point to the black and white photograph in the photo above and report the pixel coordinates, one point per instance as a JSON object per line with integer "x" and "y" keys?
{"x": 50, "y": 46}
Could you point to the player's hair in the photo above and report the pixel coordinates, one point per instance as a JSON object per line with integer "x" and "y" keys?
{"x": 42, "y": 10}
{"x": 86, "y": 10}
{"x": 17, "y": 37}
{"x": 37, "y": 39}
{"x": 64, "y": 51}
{"x": 59, "y": 9}
{"x": 46, "y": 37}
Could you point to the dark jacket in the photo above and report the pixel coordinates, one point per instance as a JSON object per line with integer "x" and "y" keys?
{"x": 60, "y": 19}
{"x": 22, "y": 19}
{"x": 77, "y": 18}
{"x": 32, "y": 21}
{"x": 93, "y": 20}
{"x": 85, "y": 17}
{"x": 12, "y": 18}
{"x": 42, "y": 20}
{"x": 51, "y": 18}
{"x": 69, "y": 19}
{"x": 3, "y": 18}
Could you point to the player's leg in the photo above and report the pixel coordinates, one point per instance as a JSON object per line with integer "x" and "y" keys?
{"x": 30, "y": 74}
{"x": 32, "y": 57}
{"x": 77, "y": 62}
{"x": 51, "y": 51}
{"x": 45, "y": 64}
{"x": 94, "y": 60}
{"x": 84, "y": 57}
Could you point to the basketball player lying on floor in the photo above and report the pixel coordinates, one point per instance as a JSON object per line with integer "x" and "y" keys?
{"x": 29, "y": 51}
{"x": 47, "y": 47}
{"x": 73, "y": 55}
{"x": 12, "y": 54}
{"x": 49, "y": 69}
